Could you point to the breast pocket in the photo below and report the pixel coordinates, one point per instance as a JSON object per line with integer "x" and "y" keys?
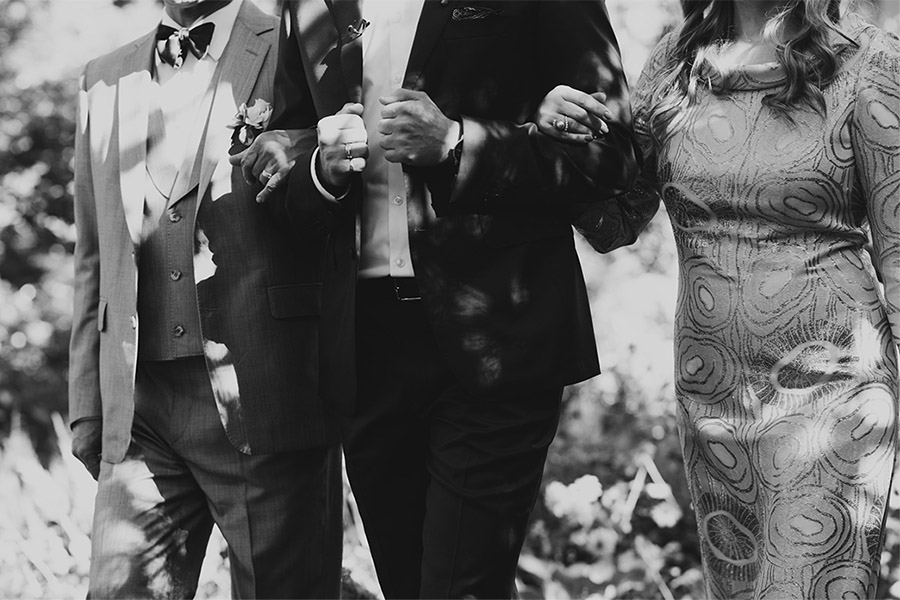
{"x": 488, "y": 19}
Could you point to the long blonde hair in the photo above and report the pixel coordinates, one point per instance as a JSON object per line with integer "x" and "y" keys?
{"x": 800, "y": 33}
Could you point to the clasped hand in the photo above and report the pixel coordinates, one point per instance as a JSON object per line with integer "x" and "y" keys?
{"x": 414, "y": 132}
{"x": 269, "y": 159}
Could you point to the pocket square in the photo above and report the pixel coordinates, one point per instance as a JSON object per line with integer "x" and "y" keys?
{"x": 473, "y": 13}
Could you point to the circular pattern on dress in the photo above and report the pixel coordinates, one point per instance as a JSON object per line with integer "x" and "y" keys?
{"x": 885, "y": 118}
{"x": 840, "y": 151}
{"x": 859, "y": 434}
{"x": 807, "y": 524}
{"x": 802, "y": 363}
{"x": 886, "y": 216}
{"x": 705, "y": 370}
{"x": 687, "y": 212}
{"x": 776, "y": 284}
{"x": 731, "y": 537}
{"x": 782, "y": 590}
{"x": 873, "y": 531}
{"x": 845, "y": 579}
{"x": 780, "y": 143}
{"x": 785, "y": 451}
{"x": 849, "y": 279}
{"x": 706, "y": 302}
{"x": 796, "y": 200}
{"x": 720, "y": 134}
{"x": 726, "y": 457}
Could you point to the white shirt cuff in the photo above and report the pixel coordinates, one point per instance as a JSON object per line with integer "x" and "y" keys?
{"x": 315, "y": 177}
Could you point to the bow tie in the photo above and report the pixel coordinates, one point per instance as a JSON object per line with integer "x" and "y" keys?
{"x": 174, "y": 44}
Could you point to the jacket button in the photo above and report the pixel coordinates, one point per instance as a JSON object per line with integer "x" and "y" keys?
{"x": 175, "y": 275}
{"x": 134, "y": 321}
{"x": 174, "y": 215}
{"x": 178, "y": 331}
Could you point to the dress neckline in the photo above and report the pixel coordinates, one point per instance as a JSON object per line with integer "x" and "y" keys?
{"x": 758, "y": 76}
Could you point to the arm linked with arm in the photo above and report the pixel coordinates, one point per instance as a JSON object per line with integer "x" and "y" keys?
{"x": 618, "y": 222}
{"x": 298, "y": 201}
{"x": 509, "y": 167}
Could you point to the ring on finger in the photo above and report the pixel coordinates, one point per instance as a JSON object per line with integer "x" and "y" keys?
{"x": 348, "y": 151}
{"x": 265, "y": 175}
{"x": 557, "y": 124}
{"x": 566, "y": 123}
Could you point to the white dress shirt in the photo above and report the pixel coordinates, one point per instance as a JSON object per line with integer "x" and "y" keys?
{"x": 180, "y": 91}
{"x": 387, "y": 43}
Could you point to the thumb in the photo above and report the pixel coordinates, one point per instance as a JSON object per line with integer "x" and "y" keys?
{"x": 235, "y": 159}
{"x": 351, "y": 108}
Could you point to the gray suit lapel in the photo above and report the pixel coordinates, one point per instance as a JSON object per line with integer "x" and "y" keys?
{"x": 133, "y": 114}
{"x": 236, "y": 77}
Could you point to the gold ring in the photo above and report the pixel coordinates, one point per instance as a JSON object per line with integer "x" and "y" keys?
{"x": 348, "y": 152}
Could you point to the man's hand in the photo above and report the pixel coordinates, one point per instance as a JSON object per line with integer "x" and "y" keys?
{"x": 87, "y": 443}
{"x": 415, "y": 130}
{"x": 269, "y": 159}
{"x": 343, "y": 147}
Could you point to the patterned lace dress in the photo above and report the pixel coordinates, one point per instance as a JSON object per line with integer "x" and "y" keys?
{"x": 786, "y": 346}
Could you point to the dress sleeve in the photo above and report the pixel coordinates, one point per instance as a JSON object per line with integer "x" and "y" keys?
{"x": 617, "y": 223}
{"x": 509, "y": 166}
{"x": 876, "y": 148}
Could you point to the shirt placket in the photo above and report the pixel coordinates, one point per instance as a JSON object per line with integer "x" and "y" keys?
{"x": 398, "y": 228}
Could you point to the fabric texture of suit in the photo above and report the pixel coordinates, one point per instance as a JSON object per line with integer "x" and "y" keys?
{"x": 259, "y": 311}
{"x": 238, "y": 435}
{"x": 455, "y": 398}
{"x": 493, "y": 246}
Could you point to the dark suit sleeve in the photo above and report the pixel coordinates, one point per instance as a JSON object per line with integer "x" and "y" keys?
{"x": 299, "y": 201}
{"x": 610, "y": 225}
{"x": 513, "y": 167}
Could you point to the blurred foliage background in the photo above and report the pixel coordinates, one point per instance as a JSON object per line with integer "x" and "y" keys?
{"x": 614, "y": 520}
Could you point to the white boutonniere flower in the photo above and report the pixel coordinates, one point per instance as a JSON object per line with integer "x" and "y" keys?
{"x": 250, "y": 122}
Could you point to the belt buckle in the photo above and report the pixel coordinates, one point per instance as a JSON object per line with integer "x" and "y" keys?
{"x": 406, "y": 289}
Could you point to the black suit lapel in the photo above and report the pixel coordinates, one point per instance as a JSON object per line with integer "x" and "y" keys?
{"x": 320, "y": 45}
{"x": 347, "y": 15}
{"x": 435, "y": 15}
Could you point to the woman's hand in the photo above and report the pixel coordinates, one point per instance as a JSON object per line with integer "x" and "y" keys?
{"x": 572, "y": 115}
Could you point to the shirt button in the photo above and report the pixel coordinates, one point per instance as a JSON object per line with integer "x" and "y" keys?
{"x": 398, "y": 200}
{"x": 398, "y": 17}
{"x": 178, "y": 331}
{"x": 400, "y": 263}
{"x": 134, "y": 321}
{"x": 397, "y": 77}
{"x": 174, "y": 216}
{"x": 175, "y": 275}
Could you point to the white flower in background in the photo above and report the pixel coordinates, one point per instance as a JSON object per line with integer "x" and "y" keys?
{"x": 576, "y": 501}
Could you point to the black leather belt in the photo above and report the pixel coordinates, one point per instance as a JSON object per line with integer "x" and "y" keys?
{"x": 406, "y": 288}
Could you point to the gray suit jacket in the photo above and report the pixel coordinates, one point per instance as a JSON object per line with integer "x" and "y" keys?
{"x": 259, "y": 311}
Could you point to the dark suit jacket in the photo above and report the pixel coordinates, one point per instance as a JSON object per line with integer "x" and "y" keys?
{"x": 259, "y": 309}
{"x": 492, "y": 246}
